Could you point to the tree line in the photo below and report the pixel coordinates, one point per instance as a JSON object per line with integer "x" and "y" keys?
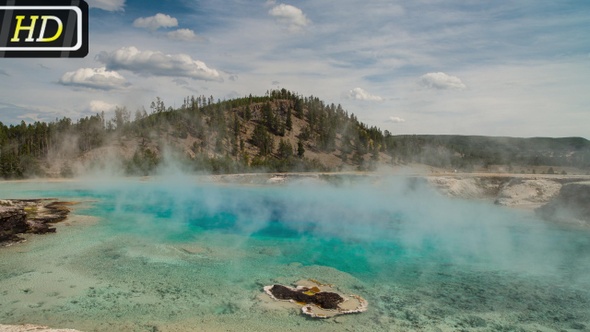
{"x": 274, "y": 132}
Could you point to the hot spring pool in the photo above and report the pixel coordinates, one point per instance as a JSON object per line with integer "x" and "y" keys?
{"x": 177, "y": 254}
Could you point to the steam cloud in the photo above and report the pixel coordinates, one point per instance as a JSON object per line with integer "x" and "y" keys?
{"x": 402, "y": 216}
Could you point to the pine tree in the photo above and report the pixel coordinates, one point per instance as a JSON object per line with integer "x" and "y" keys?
{"x": 248, "y": 113}
{"x": 289, "y": 122}
{"x": 268, "y": 117}
{"x": 299, "y": 108}
{"x": 262, "y": 139}
{"x": 285, "y": 150}
{"x": 300, "y": 149}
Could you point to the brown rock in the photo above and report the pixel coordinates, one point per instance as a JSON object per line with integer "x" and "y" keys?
{"x": 13, "y": 221}
{"x": 29, "y": 216}
{"x": 325, "y": 300}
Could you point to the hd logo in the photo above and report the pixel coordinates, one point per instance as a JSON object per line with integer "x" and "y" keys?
{"x": 42, "y": 29}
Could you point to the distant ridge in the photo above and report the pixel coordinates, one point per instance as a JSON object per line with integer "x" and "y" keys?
{"x": 466, "y": 151}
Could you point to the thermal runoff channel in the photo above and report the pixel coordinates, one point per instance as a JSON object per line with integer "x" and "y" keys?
{"x": 178, "y": 251}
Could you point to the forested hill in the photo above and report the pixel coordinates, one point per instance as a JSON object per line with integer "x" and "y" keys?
{"x": 281, "y": 131}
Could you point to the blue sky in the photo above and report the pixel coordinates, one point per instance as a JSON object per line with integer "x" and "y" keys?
{"x": 519, "y": 68}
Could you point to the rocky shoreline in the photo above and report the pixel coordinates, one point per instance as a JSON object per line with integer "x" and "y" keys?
{"x": 561, "y": 199}
{"x": 571, "y": 205}
{"x": 29, "y": 216}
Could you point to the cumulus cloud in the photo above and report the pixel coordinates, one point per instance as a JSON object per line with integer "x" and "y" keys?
{"x": 183, "y": 34}
{"x": 441, "y": 81}
{"x": 395, "y": 119}
{"x": 289, "y": 15}
{"x": 95, "y": 78}
{"x": 158, "y": 64}
{"x": 108, "y": 5}
{"x": 361, "y": 94}
{"x": 97, "y": 106}
{"x": 154, "y": 22}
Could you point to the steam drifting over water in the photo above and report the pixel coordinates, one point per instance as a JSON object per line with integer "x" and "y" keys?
{"x": 174, "y": 251}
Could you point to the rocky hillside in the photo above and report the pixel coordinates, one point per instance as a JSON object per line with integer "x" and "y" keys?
{"x": 281, "y": 131}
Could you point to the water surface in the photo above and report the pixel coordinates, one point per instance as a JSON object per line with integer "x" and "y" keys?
{"x": 175, "y": 254}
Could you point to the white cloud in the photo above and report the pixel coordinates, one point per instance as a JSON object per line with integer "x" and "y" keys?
{"x": 441, "y": 81}
{"x": 542, "y": 78}
{"x": 361, "y": 94}
{"x": 95, "y": 78}
{"x": 183, "y": 34}
{"x": 109, "y": 5}
{"x": 157, "y": 21}
{"x": 395, "y": 119}
{"x": 158, "y": 64}
{"x": 97, "y": 106}
{"x": 292, "y": 16}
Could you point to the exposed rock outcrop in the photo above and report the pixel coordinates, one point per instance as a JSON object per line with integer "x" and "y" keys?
{"x": 527, "y": 193}
{"x": 468, "y": 187}
{"x": 313, "y": 295}
{"x": 520, "y": 191}
{"x": 13, "y": 221}
{"x": 571, "y": 205}
{"x": 34, "y": 216}
{"x": 316, "y": 299}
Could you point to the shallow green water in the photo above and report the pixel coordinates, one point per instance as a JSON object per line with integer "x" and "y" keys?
{"x": 175, "y": 254}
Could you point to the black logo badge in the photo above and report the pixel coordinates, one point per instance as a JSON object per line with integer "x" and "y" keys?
{"x": 43, "y": 29}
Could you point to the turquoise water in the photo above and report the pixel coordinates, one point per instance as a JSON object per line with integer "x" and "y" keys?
{"x": 175, "y": 254}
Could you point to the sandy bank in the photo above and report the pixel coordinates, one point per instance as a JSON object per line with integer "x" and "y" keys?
{"x": 31, "y": 328}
